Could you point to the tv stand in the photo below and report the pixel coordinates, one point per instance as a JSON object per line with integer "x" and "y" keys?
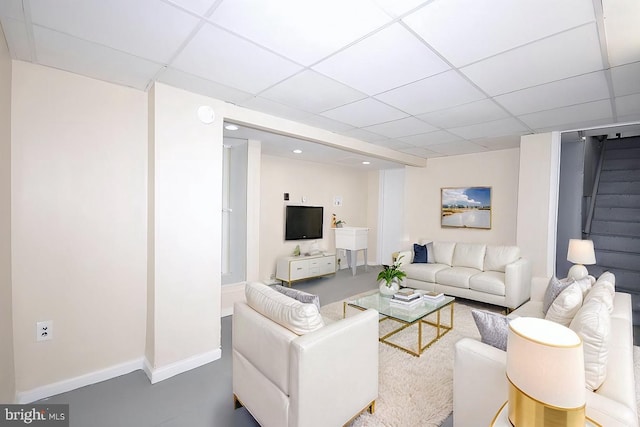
{"x": 295, "y": 268}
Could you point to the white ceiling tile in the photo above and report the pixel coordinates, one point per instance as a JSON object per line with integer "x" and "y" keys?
{"x": 326, "y": 123}
{"x": 197, "y": 6}
{"x": 628, "y": 105}
{"x": 508, "y": 126}
{"x": 388, "y": 59}
{"x": 474, "y": 112}
{"x": 214, "y": 54}
{"x": 626, "y": 79}
{"x": 426, "y": 139}
{"x": 393, "y": 144}
{"x": 564, "y": 55}
{"x": 433, "y": 93}
{"x": 363, "y": 135}
{"x": 403, "y": 127}
{"x": 313, "y": 92}
{"x": 79, "y": 56}
{"x": 196, "y": 84}
{"x": 464, "y": 31}
{"x": 622, "y": 30}
{"x": 397, "y": 8}
{"x": 581, "y": 124}
{"x": 305, "y": 31}
{"x": 15, "y": 33}
{"x": 629, "y": 118}
{"x": 274, "y": 108}
{"x": 574, "y": 90}
{"x": 146, "y": 28}
{"x": 420, "y": 152}
{"x": 364, "y": 113}
{"x": 12, "y": 9}
{"x": 576, "y": 113}
{"x": 499, "y": 143}
{"x": 457, "y": 147}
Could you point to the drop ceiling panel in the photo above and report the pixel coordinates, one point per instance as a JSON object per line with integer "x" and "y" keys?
{"x": 565, "y": 55}
{"x": 467, "y": 114}
{"x": 508, "y": 126}
{"x": 397, "y": 8}
{"x": 562, "y": 93}
{"x": 433, "y": 93}
{"x": 15, "y": 33}
{"x": 79, "y": 56}
{"x": 622, "y": 30}
{"x": 197, "y": 6}
{"x": 420, "y": 152}
{"x": 567, "y": 115}
{"x": 388, "y": 59}
{"x": 431, "y": 138}
{"x": 499, "y": 143}
{"x": 305, "y": 31}
{"x": 313, "y": 92}
{"x": 626, "y": 79}
{"x": 458, "y": 147}
{"x": 465, "y": 31}
{"x": 363, "y": 135}
{"x": 365, "y": 113}
{"x": 197, "y": 84}
{"x": 217, "y": 55}
{"x": 275, "y": 108}
{"x": 12, "y": 9}
{"x": 393, "y": 144}
{"x": 326, "y": 123}
{"x": 146, "y": 28}
{"x": 402, "y": 127}
{"x": 628, "y": 105}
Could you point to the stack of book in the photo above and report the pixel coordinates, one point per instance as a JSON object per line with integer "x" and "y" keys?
{"x": 405, "y": 297}
{"x": 433, "y": 296}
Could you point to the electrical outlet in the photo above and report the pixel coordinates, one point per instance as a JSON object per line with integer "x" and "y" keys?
{"x": 44, "y": 330}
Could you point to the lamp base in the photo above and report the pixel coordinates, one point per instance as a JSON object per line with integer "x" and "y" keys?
{"x": 524, "y": 411}
{"x": 578, "y": 272}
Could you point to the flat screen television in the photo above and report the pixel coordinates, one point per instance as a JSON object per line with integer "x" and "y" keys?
{"x": 303, "y": 222}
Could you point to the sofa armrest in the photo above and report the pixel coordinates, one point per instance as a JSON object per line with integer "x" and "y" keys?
{"x": 608, "y": 412}
{"x": 479, "y": 383}
{"x": 517, "y": 282}
{"x": 328, "y": 365}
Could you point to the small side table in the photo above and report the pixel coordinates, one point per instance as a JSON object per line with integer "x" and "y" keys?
{"x": 502, "y": 418}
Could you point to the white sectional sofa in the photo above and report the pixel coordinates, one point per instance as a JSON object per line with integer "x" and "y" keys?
{"x": 480, "y": 383}
{"x": 492, "y": 274}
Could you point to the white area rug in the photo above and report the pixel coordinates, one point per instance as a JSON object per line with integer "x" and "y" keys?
{"x": 418, "y": 391}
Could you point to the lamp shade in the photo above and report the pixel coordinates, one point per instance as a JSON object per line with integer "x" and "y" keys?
{"x": 581, "y": 252}
{"x": 545, "y": 368}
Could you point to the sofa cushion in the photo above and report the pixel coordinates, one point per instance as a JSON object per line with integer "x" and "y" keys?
{"x": 419, "y": 254}
{"x": 423, "y": 272}
{"x": 585, "y": 284}
{"x": 553, "y": 290}
{"x": 294, "y": 315}
{"x": 429, "y": 244}
{"x": 443, "y": 252}
{"x": 566, "y": 305}
{"x": 469, "y": 255}
{"x": 607, "y": 276}
{"x": 490, "y": 282}
{"x": 299, "y": 295}
{"x": 493, "y": 328}
{"x": 456, "y": 276}
{"x": 602, "y": 291}
{"x": 593, "y": 324}
{"x": 497, "y": 257}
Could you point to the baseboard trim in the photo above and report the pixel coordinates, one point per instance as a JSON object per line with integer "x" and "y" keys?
{"x": 173, "y": 369}
{"x": 77, "y": 382}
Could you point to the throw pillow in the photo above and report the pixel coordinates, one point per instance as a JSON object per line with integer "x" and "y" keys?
{"x": 429, "y": 245}
{"x": 553, "y": 290}
{"x": 419, "y": 254}
{"x": 566, "y": 305}
{"x": 493, "y": 328}
{"x": 585, "y": 284}
{"x": 298, "y": 295}
{"x": 602, "y": 291}
{"x": 592, "y": 323}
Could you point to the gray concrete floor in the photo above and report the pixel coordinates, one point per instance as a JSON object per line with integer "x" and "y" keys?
{"x": 201, "y": 397}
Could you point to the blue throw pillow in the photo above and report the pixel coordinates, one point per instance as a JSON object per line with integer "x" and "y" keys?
{"x": 419, "y": 253}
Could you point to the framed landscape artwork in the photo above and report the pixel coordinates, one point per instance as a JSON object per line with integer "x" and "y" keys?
{"x": 466, "y": 207}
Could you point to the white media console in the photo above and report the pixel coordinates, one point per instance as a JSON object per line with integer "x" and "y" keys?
{"x": 294, "y": 268}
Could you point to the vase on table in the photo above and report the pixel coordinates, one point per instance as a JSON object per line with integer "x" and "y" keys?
{"x": 389, "y": 289}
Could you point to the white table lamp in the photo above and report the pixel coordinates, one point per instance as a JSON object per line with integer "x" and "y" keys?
{"x": 545, "y": 370}
{"x": 580, "y": 253}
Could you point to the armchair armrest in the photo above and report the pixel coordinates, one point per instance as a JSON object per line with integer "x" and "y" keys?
{"x": 479, "y": 383}
{"x": 517, "y": 282}
{"x": 327, "y": 365}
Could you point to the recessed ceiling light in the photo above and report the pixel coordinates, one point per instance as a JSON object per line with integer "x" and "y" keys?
{"x": 231, "y": 127}
{"x": 366, "y": 163}
{"x": 297, "y": 151}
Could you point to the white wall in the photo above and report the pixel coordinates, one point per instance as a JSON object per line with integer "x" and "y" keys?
{"x": 187, "y": 194}
{"x": 318, "y": 183}
{"x": 496, "y": 169}
{"x": 79, "y": 159}
{"x": 7, "y": 373}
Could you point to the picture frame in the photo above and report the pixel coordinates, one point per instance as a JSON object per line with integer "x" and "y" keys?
{"x": 465, "y": 207}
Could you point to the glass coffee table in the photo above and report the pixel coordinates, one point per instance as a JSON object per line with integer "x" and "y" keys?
{"x": 406, "y": 317}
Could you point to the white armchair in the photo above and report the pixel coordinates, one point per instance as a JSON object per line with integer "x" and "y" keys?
{"x": 324, "y": 377}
